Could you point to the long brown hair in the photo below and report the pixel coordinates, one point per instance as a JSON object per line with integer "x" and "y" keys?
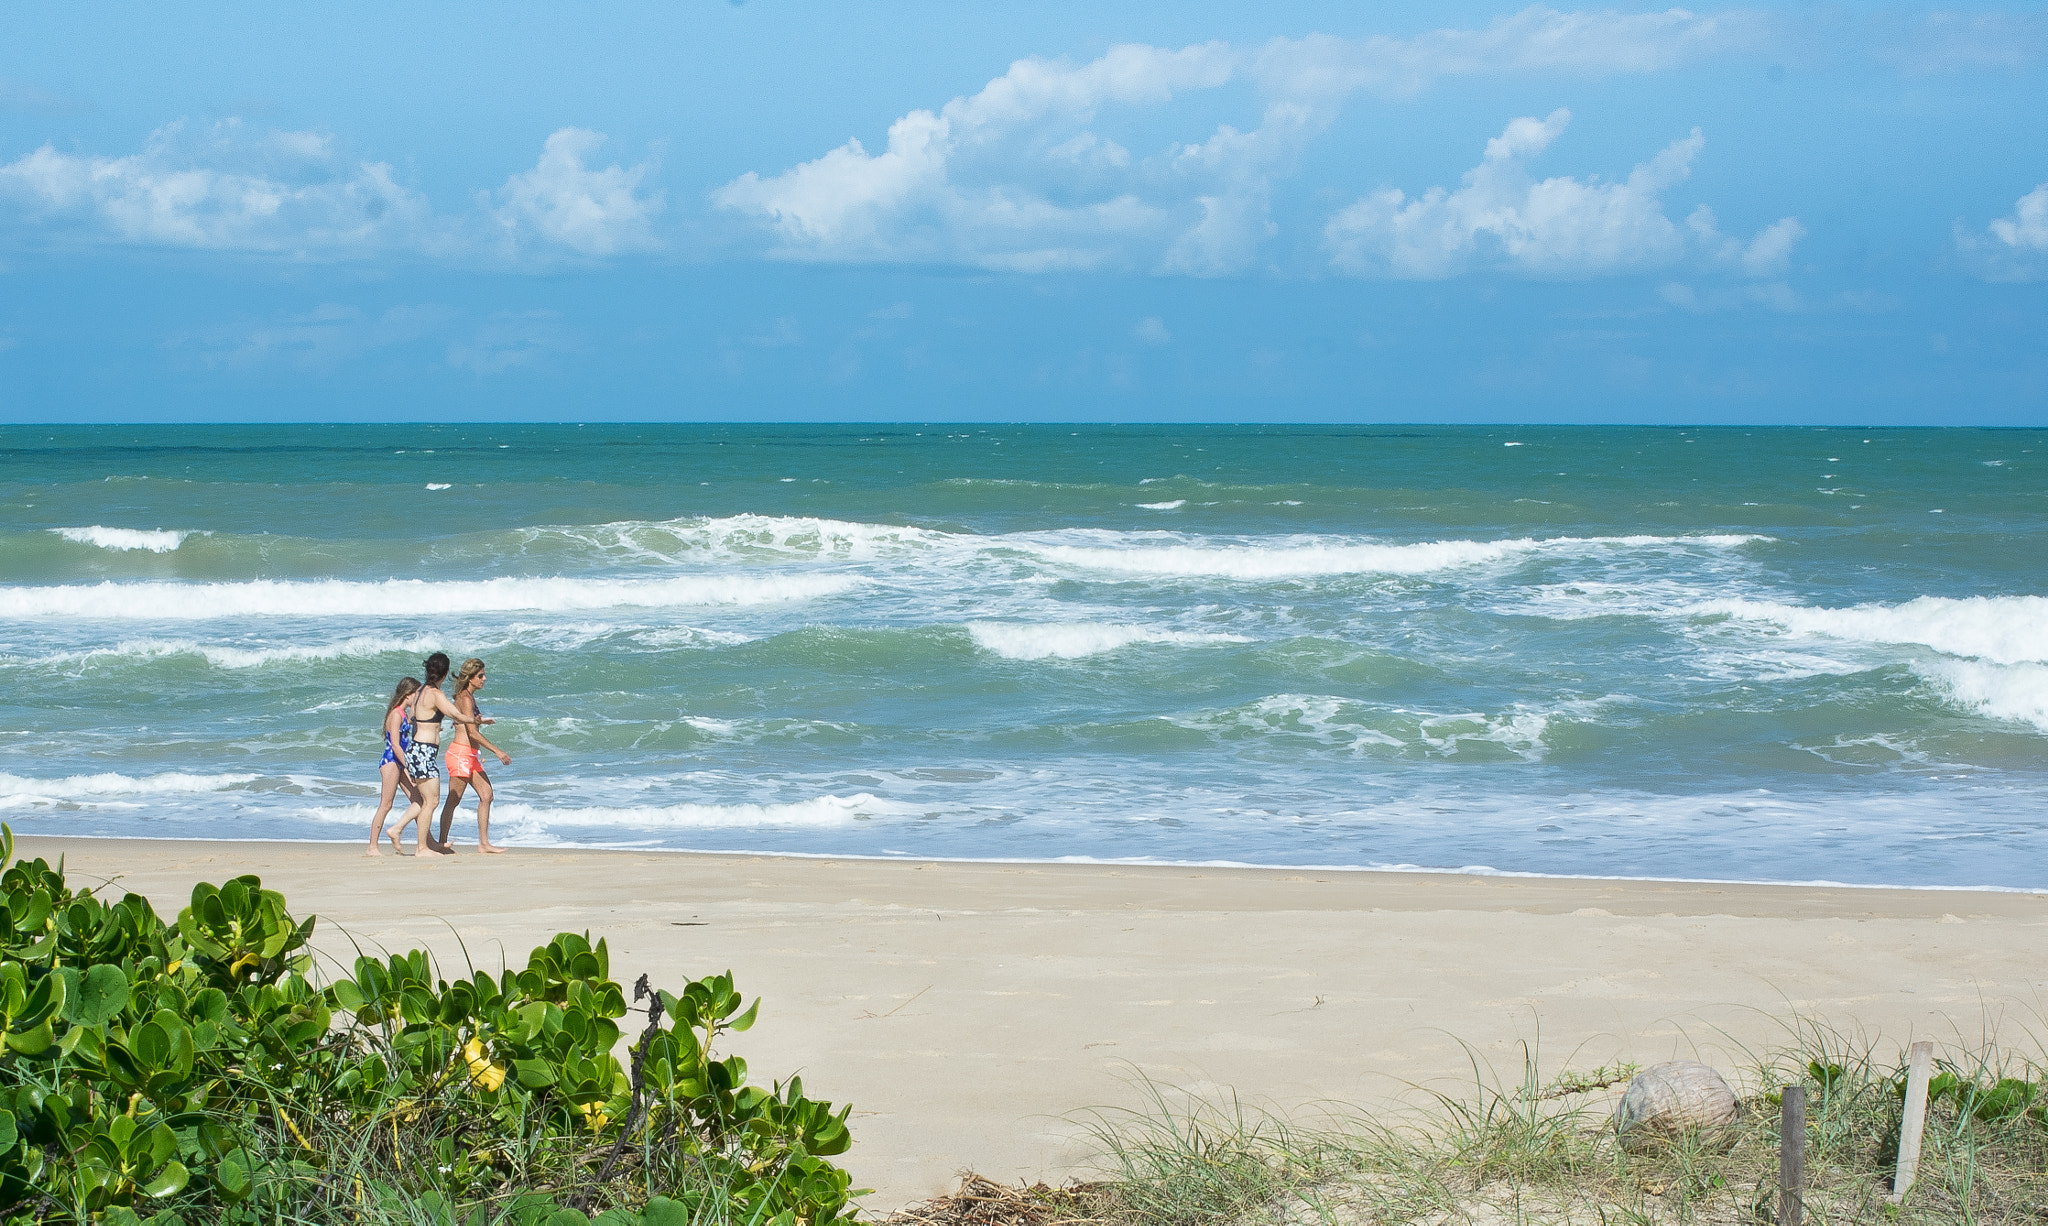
{"x": 470, "y": 668}
{"x": 436, "y": 666}
{"x": 407, "y": 687}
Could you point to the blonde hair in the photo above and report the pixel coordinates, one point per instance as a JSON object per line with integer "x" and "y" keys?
{"x": 470, "y": 668}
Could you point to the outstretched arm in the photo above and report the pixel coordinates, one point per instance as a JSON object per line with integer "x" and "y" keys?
{"x": 453, "y": 712}
{"x": 476, "y": 734}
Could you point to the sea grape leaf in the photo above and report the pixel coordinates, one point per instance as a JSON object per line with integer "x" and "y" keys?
{"x": 169, "y": 1181}
{"x": 101, "y": 996}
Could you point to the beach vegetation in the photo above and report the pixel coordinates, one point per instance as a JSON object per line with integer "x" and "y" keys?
{"x": 174, "y": 1073}
{"x": 1526, "y": 1149}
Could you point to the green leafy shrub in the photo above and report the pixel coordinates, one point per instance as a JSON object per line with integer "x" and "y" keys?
{"x": 195, "y": 1072}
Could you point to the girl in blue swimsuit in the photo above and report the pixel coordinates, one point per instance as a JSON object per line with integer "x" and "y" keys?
{"x": 397, "y": 739}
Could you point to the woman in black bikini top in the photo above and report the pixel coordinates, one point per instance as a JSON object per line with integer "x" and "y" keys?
{"x": 423, "y": 760}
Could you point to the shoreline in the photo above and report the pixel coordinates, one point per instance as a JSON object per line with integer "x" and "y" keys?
{"x": 970, "y": 1011}
{"x": 1405, "y": 870}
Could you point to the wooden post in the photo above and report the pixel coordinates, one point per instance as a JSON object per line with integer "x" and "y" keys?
{"x": 1919, "y": 1059}
{"x": 1792, "y": 1156}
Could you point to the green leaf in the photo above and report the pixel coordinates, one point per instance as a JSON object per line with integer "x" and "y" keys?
{"x": 533, "y": 1074}
{"x": 661, "y": 1211}
{"x": 33, "y": 1042}
{"x": 102, "y": 995}
{"x": 9, "y": 1135}
{"x": 169, "y": 1181}
{"x": 745, "y": 1021}
{"x": 232, "y": 1174}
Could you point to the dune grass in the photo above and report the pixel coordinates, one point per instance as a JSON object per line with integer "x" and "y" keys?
{"x": 1543, "y": 1151}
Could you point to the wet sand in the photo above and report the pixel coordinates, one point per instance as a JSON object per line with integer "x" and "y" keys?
{"x": 969, "y": 1011}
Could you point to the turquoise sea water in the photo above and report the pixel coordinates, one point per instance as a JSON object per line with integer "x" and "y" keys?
{"x": 1789, "y": 654}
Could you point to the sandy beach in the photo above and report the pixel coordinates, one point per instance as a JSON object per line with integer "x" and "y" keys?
{"x": 968, "y": 1011}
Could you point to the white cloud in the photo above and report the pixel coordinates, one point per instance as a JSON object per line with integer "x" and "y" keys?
{"x": 1501, "y": 217}
{"x": 227, "y": 189}
{"x": 2011, "y": 248}
{"x": 1535, "y": 40}
{"x": 950, "y": 186}
{"x": 2027, "y": 228}
{"x": 236, "y": 189}
{"x": 593, "y": 212}
{"x": 1766, "y": 255}
{"x": 1015, "y": 177}
{"x": 1152, "y": 331}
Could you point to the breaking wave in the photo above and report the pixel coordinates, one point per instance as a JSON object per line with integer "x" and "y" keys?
{"x": 17, "y": 791}
{"x": 2002, "y": 629}
{"x": 1298, "y": 557}
{"x": 127, "y": 539}
{"x": 403, "y": 597}
{"x": 1074, "y": 640}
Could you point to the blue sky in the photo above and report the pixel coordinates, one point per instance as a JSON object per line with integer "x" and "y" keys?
{"x": 696, "y": 210}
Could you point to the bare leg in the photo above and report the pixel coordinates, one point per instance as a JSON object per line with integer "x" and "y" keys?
{"x": 430, "y": 792}
{"x": 389, "y": 774}
{"x": 411, "y": 814}
{"x": 456, "y": 784}
{"x": 484, "y": 792}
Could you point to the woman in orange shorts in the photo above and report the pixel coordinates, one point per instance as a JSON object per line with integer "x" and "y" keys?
{"x": 465, "y": 766}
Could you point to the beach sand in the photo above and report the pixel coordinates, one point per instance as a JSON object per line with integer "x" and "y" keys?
{"x": 968, "y": 1011}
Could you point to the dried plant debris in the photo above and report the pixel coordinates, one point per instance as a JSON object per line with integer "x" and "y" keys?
{"x": 984, "y": 1202}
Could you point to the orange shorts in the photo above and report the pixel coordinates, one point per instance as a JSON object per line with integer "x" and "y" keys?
{"x": 462, "y": 761}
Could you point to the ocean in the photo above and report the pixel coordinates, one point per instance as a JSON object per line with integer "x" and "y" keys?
{"x": 1735, "y": 654}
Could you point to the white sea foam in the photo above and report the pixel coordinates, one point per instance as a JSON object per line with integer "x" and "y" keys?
{"x": 2002, "y": 691}
{"x": 1076, "y": 639}
{"x": 533, "y": 823}
{"x": 2002, "y": 629}
{"x": 1175, "y": 505}
{"x": 17, "y": 791}
{"x": 690, "y": 636}
{"x": 402, "y": 597}
{"x": 128, "y": 539}
{"x": 742, "y": 538}
{"x": 1369, "y": 728}
{"x": 1297, "y": 557}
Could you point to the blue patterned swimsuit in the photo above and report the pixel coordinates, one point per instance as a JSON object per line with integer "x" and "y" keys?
{"x": 404, "y": 741}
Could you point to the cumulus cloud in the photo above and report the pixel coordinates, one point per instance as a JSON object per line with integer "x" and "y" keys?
{"x": 947, "y": 187}
{"x": 2011, "y": 248}
{"x": 1017, "y": 177}
{"x": 232, "y": 188}
{"x": 227, "y": 189}
{"x": 593, "y": 212}
{"x": 1502, "y": 217}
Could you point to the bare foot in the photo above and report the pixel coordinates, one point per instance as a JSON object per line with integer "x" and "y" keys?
{"x": 397, "y": 848}
{"x": 373, "y": 851}
{"x": 446, "y": 849}
{"x": 488, "y": 850}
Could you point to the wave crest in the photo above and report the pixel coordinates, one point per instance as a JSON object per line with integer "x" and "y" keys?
{"x": 1297, "y": 557}
{"x": 128, "y": 539}
{"x": 1070, "y": 641}
{"x": 403, "y": 597}
{"x": 2002, "y": 629}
